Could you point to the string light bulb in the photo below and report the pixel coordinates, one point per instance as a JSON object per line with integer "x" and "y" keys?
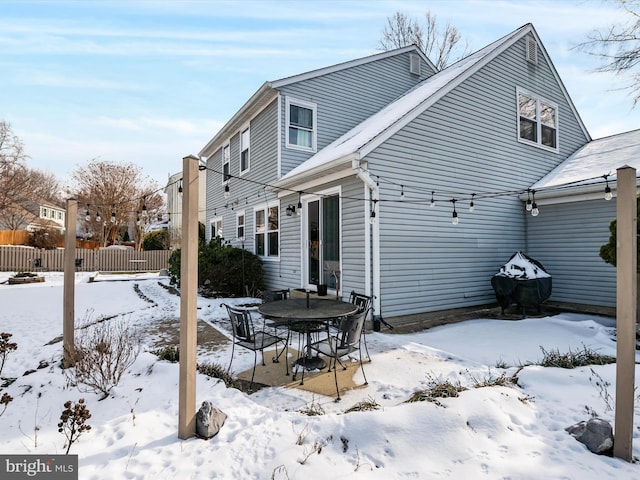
{"x": 87, "y": 216}
{"x": 180, "y": 187}
{"x": 113, "y": 214}
{"x": 433, "y": 202}
{"x": 98, "y": 218}
{"x": 534, "y": 206}
{"x": 401, "y": 192}
{"x": 372, "y": 215}
{"x": 227, "y": 192}
{"x": 472, "y": 207}
{"x": 299, "y": 210}
{"x": 607, "y": 190}
{"x": 454, "y": 216}
{"x": 529, "y": 205}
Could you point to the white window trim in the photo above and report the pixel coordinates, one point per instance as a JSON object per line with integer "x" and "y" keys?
{"x": 539, "y": 100}
{"x": 222, "y": 161}
{"x": 265, "y": 208}
{"x": 314, "y": 134}
{"x": 246, "y": 128}
{"x": 239, "y": 214}
{"x": 212, "y": 222}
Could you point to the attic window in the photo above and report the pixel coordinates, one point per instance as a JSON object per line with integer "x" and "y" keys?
{"x": 414, "y": 64}
{"x": 532, "y": 51}
{"x": 537, "y": 121}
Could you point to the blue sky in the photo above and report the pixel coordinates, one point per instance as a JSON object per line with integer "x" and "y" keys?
{"x": 150, "y": 82}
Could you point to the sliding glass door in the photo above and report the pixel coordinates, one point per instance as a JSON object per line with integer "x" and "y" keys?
{"x": 323, "y": 240}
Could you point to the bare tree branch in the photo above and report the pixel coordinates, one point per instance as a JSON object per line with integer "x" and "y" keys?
{"x": 442, "y": 45}
{"x": 618, "y": 47}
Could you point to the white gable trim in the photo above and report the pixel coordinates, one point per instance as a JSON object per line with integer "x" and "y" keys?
{"x": 350, "y": 64}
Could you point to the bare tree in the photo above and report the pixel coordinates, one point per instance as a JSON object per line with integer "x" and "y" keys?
{"x": 14, "y": 181}
{"x": 438, "y": 43}
{"x": 115, "y": 196}
{"x": 45, "y": 186}
{"x": 618, "y": 47}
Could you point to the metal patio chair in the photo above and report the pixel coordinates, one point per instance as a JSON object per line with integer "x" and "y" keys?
{"x": 364, "y": 305}
{"x": 344, "y": 341}
{"x": 246, "y": 336}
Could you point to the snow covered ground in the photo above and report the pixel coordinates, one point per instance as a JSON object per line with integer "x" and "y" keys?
{"x": 504, "y": 432}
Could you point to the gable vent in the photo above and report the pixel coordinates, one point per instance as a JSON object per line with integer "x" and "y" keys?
{"x": 532, "y": 51}
{"x": 414, "y": 64}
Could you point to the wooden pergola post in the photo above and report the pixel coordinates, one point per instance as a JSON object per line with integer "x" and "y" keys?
{"x": 68, "y": 341}
{"x": 188, "y": 299}
{"x": 626, "y": 305}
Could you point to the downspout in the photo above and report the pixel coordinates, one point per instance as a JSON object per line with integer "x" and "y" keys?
{"x": 372, "y": 248}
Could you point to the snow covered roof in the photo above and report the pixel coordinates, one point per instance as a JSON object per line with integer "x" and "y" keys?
{"x": 268, "y": 92}
{"x": 589, "y": 164}
{"x": 369, "y": 134}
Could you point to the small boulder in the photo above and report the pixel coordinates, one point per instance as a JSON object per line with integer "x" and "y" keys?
{"x": 209, "y": 420}
{"x": 596, "y": 434}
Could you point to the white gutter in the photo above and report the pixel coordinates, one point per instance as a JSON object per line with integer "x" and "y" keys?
{"x": 372, "y": 247}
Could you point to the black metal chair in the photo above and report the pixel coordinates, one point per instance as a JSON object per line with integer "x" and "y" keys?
{"x": 246, "y": 336}
{"x": 345, "y": 340}
{"x": 273, "y": 295}
{"x": 37, "y": 264}
{"x": 364, "y": 305}
{"x": 78, "y": 264}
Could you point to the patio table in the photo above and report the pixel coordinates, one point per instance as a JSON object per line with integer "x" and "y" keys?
{"x": 304, "y": 314}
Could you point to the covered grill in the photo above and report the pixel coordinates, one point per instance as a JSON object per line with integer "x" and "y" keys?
{"x": 523, "y": 281}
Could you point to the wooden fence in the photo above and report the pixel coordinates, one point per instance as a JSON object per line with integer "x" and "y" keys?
{"x": 24, "y": 259}
{"x": 14, "y": 237}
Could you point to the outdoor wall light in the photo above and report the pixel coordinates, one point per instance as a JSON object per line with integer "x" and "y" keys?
{"x": 291, "y": 209}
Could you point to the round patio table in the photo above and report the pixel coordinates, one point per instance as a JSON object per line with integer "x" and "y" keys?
{"x": 305, "y": 314}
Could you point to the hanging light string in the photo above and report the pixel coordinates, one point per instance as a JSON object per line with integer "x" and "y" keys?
{"x": 408, "y": 194}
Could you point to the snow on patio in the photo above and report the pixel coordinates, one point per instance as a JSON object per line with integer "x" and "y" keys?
{"x": 499, "y": 432}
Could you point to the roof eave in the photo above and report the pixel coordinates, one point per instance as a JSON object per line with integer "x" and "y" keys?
{"x": 316, "y": 173}
{"x": 262, "y": 97}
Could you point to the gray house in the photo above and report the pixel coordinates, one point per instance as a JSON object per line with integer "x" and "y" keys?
{"x": 384, "y": 176}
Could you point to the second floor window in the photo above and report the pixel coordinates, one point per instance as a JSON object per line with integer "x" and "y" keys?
{"x": 267, "y": 232}
{"x": 301, "y": 125}
{"x": 226, "y": 163}
{"x": 244, "y": 150}
{"x": 538, "y": 121}
{"x": 216, "y": 228}
{"x": 240, "y": 226}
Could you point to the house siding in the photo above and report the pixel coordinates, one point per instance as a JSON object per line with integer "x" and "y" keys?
{"x": 465, "y": 143}
{"x": 566, "y": 238}
{"x": 346, "y": 98}
{"x": 245, "y": 190}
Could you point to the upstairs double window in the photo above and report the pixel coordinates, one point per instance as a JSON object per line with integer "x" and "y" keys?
{"x": 537, "y": 121}
{"x": 301, "y": 125}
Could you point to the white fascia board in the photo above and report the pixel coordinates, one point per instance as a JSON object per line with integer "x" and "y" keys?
{"x": 328, "y": 172}
{"x": 349, "y": 64}
{"x": 258, "y": 102}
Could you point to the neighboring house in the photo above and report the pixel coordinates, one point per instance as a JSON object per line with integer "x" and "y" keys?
{"x": 173, "y": 190}
{"x": 354, "y": 173}
{"x": 33, "y": 214}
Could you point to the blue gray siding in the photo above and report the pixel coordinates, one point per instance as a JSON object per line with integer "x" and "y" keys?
{"x": 466, "y": 143}
{"x": 246, "y": 190}
{"x": 566, "y": 239}
{"x": 346, "y": 98}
